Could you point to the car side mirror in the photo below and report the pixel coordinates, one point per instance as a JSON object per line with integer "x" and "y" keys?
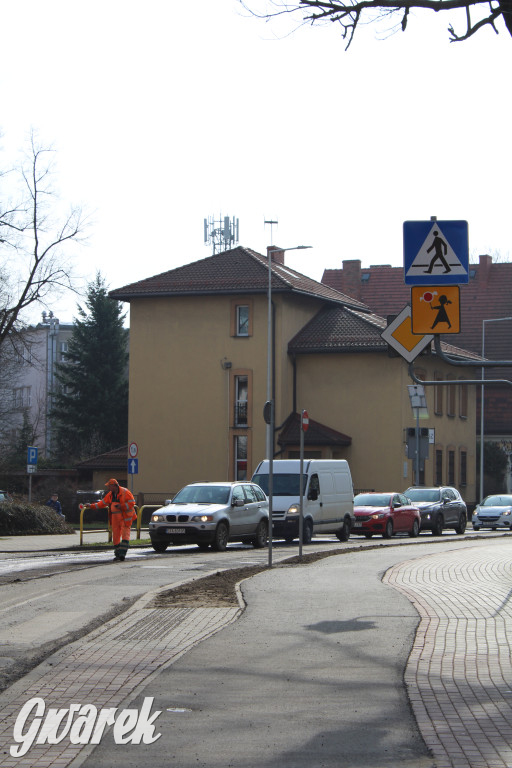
{"x": 237, "y": 503}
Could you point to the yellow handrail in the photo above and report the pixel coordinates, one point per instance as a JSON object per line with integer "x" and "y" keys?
{"x": 139, "y": 517}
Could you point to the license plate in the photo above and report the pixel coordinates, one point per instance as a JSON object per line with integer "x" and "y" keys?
{"x": 358, "y": 524}
{"x": 175, "y": 530}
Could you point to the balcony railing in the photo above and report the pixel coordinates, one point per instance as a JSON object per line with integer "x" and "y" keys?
{"x": 241, "y": 413}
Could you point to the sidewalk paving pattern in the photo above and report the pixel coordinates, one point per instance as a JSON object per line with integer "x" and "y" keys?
{"x": 458, "y": 675}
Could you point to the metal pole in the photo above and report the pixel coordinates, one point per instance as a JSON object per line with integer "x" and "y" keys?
{"x": 417, "y": 446}
{"x": 482, "y": 394}
{"x": 270, "y": 399}
{"x": 270, "y": 425}
{"x": 482, "y": 391}
{"x": 301, "y": 474}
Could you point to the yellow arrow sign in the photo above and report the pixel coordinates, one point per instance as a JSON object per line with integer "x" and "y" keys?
{"x": 435, "y": 309}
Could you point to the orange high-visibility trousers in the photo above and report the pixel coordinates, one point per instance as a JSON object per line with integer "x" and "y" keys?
{"x": 121, "y": 524}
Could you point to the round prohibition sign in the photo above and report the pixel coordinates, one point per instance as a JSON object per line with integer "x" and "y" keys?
{"x": 133, "y": 450}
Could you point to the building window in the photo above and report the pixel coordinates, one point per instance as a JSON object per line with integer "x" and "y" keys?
{"x": 242, "y": 321}
{"x": 241, "y": 396}
{"x": 241, "y": 318}
{"x": 463, "y": 401}
{"x": 439, "y": 467}
{"x": 22, "y": 397}
{"x": 438, "y": 395}
{"x": 450, "y": 404}
{"x": 463, "y": 468}
{"x": 241, "y": 457}
{"x": 451, "y": 467}
{"x": 63, "y": 351}
{"x": 25, "y": 355}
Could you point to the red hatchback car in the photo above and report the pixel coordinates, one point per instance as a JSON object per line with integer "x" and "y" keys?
{"x": 385, "y": 514}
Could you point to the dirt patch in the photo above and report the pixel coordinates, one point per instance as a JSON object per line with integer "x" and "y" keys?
{"x": 218, "y": 589}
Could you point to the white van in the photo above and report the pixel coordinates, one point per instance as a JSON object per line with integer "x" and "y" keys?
{"x": 328, "y": 497}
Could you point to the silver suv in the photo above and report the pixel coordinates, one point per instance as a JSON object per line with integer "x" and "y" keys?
{"x": 211, "y": 514}
{"x": 440, "y": 507}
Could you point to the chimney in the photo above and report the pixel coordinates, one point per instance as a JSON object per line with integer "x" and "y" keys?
{"x": 484, "y": 267}
{"x": 351, "y": 278}
{"x": 276, "y": 254}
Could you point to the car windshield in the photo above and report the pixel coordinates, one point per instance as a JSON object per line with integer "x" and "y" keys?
{"x": 282, "y": 485}
{"x": 423, "y": 494}
{"x": 372, "y": 500}
{"x": 497, "y": 501}
{"x": 203, "y": 494}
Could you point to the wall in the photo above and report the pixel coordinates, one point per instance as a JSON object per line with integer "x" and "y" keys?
{"x": 366, "y": 397}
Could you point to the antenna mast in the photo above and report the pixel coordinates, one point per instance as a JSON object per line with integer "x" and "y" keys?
{"x": 221, "y": 234}
{"x": 271, "y": 222}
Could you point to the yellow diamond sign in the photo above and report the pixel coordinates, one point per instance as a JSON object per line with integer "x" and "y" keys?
{"x": 399, "y": 335}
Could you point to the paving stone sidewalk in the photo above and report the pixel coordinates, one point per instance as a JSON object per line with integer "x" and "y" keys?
{"x": 459, "y": 673}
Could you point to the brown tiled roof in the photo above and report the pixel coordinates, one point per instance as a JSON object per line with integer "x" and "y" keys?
{"x": 341, "y": 329}
{"x": 487, "y": 295}
{"x": 116, "y": 459}
{"x": 239, "y": 270}
{"x": 317, "y": 434}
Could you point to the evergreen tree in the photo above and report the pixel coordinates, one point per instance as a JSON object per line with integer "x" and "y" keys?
{"x": 91, "y": 406}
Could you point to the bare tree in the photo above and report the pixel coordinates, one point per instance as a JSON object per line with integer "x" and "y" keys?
{"x": 33, "y": 259}
{"x": 350, "y": 13}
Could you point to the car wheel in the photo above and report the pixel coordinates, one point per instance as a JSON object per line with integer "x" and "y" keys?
{"x": 220, "y": 540}
{"x": 307, "y": 532}
{"x": 476, "y": 527}
{"x": 203, "y": 545}
{"x": 461, "y": 527}
{"x": 389, "y": 530}
{"x": 437, "y": 526}
{"x": 261, "y": 538}
{"x": 159, "y": 546}
{"x": 344, "y": 534}
{"x": 415, "y": 531}
{"x": 368, "y": 535}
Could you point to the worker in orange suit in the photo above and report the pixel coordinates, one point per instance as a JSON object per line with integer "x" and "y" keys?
{"x": 121, "y": 506}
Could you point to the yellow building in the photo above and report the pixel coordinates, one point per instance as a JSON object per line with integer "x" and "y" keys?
{"x": 198, "y": 380}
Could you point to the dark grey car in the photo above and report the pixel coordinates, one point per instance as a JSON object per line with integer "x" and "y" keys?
{"x": 440, "y": 507}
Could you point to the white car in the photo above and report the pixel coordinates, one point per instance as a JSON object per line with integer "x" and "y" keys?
{"x": 493, "y": 512}
{"x": 212, "y": 514}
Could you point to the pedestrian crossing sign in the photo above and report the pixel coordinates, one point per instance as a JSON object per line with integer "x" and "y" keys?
{"x": 435, "y": 309}
{"x": 436, "y": 252}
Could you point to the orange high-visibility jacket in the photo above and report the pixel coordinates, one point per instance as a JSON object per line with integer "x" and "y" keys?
{"x": 125, "y": 502}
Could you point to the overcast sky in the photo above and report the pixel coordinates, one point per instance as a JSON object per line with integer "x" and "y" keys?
{"x": 165, "y": 113}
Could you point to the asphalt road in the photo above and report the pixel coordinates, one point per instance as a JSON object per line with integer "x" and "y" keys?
{"x": 50, "y": 599}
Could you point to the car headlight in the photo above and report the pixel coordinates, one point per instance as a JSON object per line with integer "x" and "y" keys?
{"x": 201, "y": 519}
{"x": 156, "y": 518}
{"x": 506, "y": 512}
{"x": 379, "y": 516}
{"x": 294, "y": 509}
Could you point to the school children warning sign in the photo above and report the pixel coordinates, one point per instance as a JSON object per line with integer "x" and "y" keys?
{"x": 435, "y": 309}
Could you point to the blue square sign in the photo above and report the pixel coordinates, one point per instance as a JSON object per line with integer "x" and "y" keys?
{"x": 436, "y": 252}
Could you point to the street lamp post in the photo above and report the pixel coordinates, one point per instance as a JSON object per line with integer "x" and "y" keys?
{"x": 270, "y": 398}
{"x": 490, "y": 320}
